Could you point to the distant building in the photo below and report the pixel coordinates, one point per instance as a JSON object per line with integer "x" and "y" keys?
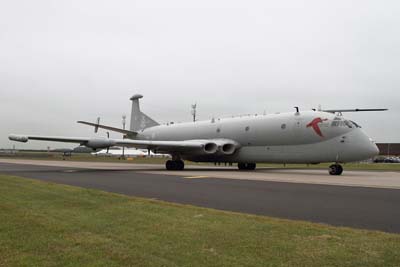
{"x": 389, "y": 149}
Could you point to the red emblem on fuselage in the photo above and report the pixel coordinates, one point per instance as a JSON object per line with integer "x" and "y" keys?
{"x": 314, "y": 125}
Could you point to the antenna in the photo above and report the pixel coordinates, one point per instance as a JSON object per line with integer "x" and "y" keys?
{"x": 96, "y": 128}
{"x": 123, "y": 127}
{"x": 194, "y": 111}
{"x": 123, "y": 121}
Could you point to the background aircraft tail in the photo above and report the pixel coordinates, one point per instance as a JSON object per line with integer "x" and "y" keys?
{"x": 139, "y": 120}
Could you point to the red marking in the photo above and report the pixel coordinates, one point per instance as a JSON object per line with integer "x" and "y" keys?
{"x": 314, "y": 125}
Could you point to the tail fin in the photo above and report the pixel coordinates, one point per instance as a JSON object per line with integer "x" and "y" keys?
{"x": 139, "y": 120}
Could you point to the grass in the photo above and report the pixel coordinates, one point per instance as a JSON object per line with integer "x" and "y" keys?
{"x": 44, "y": 224}
{"x": 142, "y": 160}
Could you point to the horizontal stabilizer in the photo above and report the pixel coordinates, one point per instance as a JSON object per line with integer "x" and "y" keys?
{"x": 114, "y": 129}
{"x": 355, "y": 110}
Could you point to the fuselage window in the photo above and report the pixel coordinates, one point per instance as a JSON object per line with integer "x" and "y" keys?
{"x": 283, "y": 126}
{"x": 218, "y": 130}
{"x": 247, "y": 128}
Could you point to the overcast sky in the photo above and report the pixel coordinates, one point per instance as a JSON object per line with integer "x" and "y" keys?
{"x": 63, "y": 61}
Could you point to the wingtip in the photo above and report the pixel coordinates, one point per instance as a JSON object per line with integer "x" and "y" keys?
{"x": 18, "y": 138}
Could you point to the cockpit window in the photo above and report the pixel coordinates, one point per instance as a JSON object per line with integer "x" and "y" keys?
{"x": 355, "y": 124}
{"x": 348, "y": 124}
{"x": 337, "y": 122}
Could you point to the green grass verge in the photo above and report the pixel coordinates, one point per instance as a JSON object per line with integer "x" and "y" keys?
{"x": 44, "y": 224}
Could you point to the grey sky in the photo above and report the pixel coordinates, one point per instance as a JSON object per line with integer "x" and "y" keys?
{"x": 61, "y": 61}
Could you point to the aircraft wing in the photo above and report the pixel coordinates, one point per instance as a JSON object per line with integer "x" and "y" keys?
{"x": 172, "y": 146}
{"x": 355, "y": 110}
{"x": 165, "y": 146}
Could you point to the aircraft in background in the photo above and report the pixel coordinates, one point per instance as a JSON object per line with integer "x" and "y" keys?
{"x": 309, "y": 137}
{"x": 133, "y": 152}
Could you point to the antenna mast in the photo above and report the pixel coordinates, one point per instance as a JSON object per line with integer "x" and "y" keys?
{"x": 123, "y": 127}
{"x": 194, "y": 111}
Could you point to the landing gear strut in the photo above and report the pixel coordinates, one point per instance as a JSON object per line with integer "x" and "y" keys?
{"x": 247, "y": 166}
{"x": 175, "y": 165}
{"x": 335, "y": 169}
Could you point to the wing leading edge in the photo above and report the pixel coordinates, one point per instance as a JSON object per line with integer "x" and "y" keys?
{"x": 104, "y": 142}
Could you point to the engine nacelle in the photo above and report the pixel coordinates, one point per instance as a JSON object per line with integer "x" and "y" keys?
{"x": 226, "y": 146}
{"x": 210, "y": 148}
{"x": 96, "y": 143}
{"x": 219, "y": 146}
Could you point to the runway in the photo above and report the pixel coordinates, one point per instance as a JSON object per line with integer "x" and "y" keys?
{"x": 366, "y": 200}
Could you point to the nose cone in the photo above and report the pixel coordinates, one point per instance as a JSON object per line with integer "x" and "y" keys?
{"x": 374, "y": 149}
{"x": 358, "y": 146}
{"x": 368, "y": 147}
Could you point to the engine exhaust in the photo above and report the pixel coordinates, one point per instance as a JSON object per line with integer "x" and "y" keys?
{"x": 210, "y": 148}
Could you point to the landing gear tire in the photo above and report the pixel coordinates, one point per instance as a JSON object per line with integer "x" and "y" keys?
{"x": 174, "y": 165}
{"x": 247, "y": 166}
{"x": 335, "y": 169}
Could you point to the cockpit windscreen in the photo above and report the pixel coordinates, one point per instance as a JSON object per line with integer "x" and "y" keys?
{"x": 339, "y": 122}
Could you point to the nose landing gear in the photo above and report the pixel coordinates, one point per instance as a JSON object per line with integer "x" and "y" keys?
{"x": 335, "y": 169}
{"x": 175, "y": 165}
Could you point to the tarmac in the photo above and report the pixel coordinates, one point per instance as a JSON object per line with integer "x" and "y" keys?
{"x": 359, "y": 199}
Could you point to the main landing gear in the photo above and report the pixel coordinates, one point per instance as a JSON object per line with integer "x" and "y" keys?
{"x": 247, "y": 166}
{"x": 335, "y": 169}
{"x": 175, "y": 165}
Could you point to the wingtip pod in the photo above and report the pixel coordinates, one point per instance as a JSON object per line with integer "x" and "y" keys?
{"x": 18, "y": 138}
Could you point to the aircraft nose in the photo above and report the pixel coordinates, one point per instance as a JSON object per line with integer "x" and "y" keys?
{"x": 365, "y": 146}
{"x": 374, "y": 149}
{"x": 371, "y": 149}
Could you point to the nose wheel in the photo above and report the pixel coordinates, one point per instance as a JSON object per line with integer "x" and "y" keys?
{"x": 175, "y": 165}
{"x": 335, "y": 169}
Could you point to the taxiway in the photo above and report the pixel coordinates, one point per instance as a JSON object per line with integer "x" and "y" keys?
{"x": 361, "y": 199}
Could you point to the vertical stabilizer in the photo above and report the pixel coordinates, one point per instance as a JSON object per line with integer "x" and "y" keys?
{"x": 139, "y": 120}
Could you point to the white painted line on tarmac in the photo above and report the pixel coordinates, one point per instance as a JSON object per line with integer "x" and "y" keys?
{"x": 196, "y": 177}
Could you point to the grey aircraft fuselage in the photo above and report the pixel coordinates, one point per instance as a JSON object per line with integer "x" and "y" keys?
{"x": 298, "y": 137}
